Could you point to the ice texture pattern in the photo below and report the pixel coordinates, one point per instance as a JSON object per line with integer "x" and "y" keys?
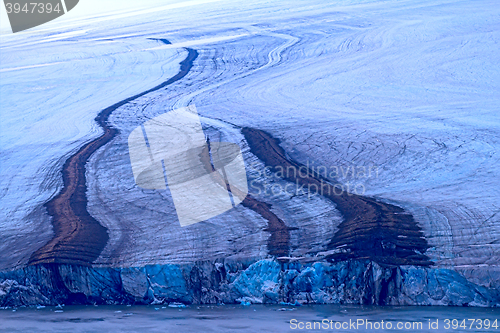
{"x": 411, "y": 87}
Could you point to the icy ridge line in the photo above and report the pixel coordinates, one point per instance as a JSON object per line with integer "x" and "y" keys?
{"x": 224, "y": 281}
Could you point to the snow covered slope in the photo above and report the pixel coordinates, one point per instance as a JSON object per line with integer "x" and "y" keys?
{"x": 409, "y": 87}
{"x": 52, "y": 85}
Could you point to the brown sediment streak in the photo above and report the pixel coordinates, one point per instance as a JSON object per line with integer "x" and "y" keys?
{"x": 78, "y": 237}
{"x": 278, "y": 243}
{"x": 370, "y": 229}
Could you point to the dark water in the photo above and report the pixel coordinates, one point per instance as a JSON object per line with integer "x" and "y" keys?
{"x": 253, "y": 318}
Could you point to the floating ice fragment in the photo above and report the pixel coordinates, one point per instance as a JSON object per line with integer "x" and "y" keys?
{"x": 176, "y": 305}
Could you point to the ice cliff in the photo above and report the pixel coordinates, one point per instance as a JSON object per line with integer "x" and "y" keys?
{"x": 264, "y": 281}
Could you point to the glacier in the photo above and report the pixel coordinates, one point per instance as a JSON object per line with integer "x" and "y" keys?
{"x": 411, "y": 87}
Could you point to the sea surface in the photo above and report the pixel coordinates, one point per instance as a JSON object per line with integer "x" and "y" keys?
{"x": 251, "y": 318}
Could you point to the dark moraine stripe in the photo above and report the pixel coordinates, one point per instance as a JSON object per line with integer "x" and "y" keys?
{"x": 370, "y": 229}
{"x": 278, "y": 243}
{"x": 78, "y": 237}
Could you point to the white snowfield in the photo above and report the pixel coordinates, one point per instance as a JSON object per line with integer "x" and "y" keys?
{"x": 409, "y": 88}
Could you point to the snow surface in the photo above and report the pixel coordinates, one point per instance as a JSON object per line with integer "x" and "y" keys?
{"x": 411, "y": 87}
{"x": 52, "y": 86}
